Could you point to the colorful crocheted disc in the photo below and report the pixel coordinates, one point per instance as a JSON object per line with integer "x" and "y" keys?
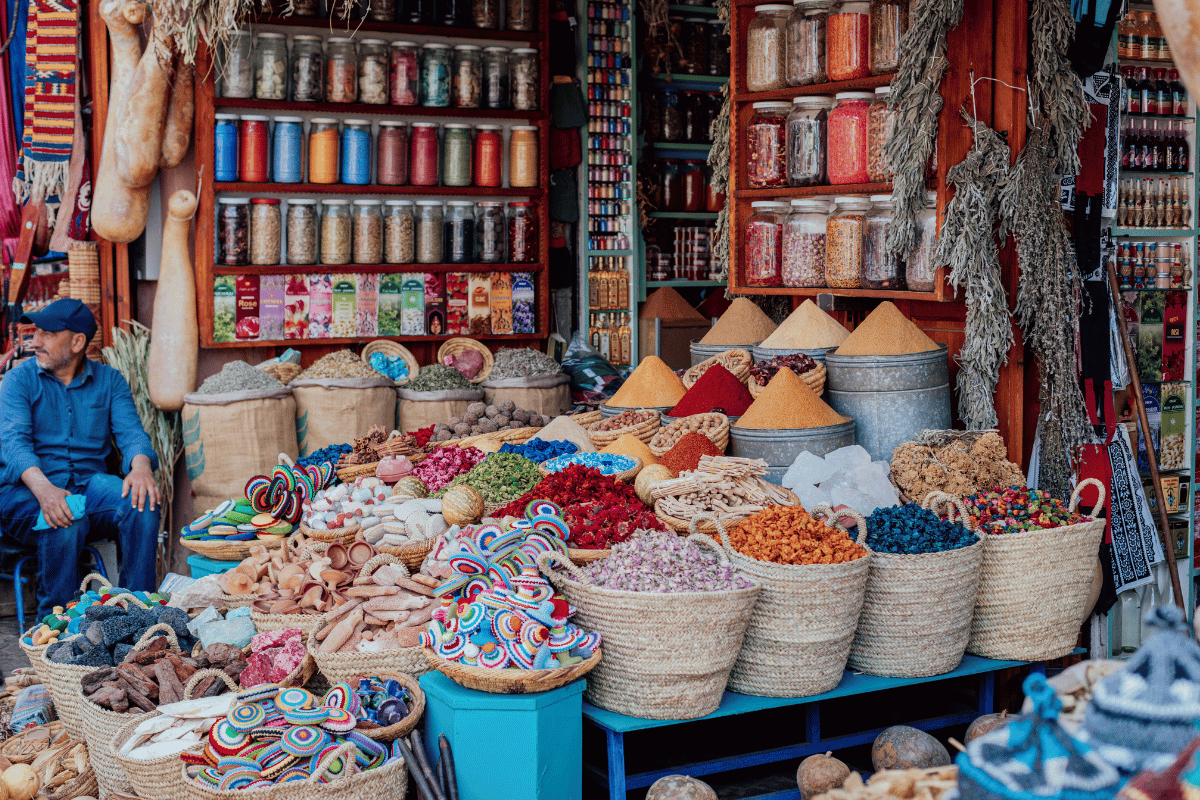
{"x": 366, "y": 744}
{"x": 264, "y": 692}
{"x": 237, "y": 762}
{"x": 209, "y": 775}
{"x": 339, "y": 721}
{"x": 195, "y": 759}
{"x": 238, "y": 778}
{"x": 269, "y": 732}
{"x": 338, "y": 696}
{"x": 291, "y": 699}
{"x": 225, "y": 739}
{"x": 276, "y": 769}
{"x": 306, "y": 716}
{"x": 304, "y": 740}
{"x": 246, "y": 718}
{"x": 296, "y": 773}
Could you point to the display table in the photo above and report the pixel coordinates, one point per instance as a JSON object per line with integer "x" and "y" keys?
{"x": 203, "y": 565}
{"x": 615, "y": 726}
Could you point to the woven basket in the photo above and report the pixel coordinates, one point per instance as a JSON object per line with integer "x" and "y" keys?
{"x": 625, "y": 476}
{"x": 159, "y": 778}
{"x": 814, "y": 379}
{"x": 348, "y": 474}
{"x": 238, "y": 600}
{"x": 803, "y": 624}
{"x": 345, "y": 535}
{"x": 411, "y": 554}
{"x": 392, "y": 350}
{"x": 459, "y": 344}
{"x": 586, "y": 418}
{"x": 916, "y": 614}
{"x": 666, "y": 656}
{"x": 405, "y": 726}
{"x": 62, "y": 681}
{"x": 1034, "y": 587}
{"x": 738, "y": 361}
{"x": 714, "y": 425}
{"x": 233, "y": 552}
{"x": 34, "y": 652}
{"x": 24, "y": 747}
{"x": 283, "y": 371}
{"x": 84, "y": 785}
{"x": 582, "y": 558}
{"x": 510, "y": 436}
{"x": 706, "y": 521}
{"x": 510, "y": 681}
{"x": 277, "y": 622}
{"x": 648, "y": 424}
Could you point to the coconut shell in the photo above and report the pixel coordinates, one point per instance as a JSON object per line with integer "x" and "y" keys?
{"x": 819, "y": 773}
{"x": 649, "y": 475}
{"x": 462, "y": 505}
{"x": 985, "y": 724}
{"x": 680, "y": 787}
{"x": 902, "y": 747}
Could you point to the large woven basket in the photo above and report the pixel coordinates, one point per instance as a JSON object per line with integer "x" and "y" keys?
{"x": 586, "y": 418}
{"x": 34, "y": 652}
{"x": 814, "y": 379}
{"x": 345, "y": 535}
{"x": 738, "y": 361}
{"x": 452, "y": 347}
{"x": 392, "y": 350}
{"x": 411, "y": 554}
{"x": 799, "y": 636}
{"x": 648, "y": 423}
{"x": 510, "y": 681}
{"x": 1034, "y": 588}
{"x": 31, "y": 651}
{"x": 62, "y": 681}
{"x": 714, "y": 425}
{"x": 666, "y": 656}
{"x": 706, "y": 522}
{"x": 916, "y": 615}
{"x": 624, "y": 476}
{"x": 277, "y": 622}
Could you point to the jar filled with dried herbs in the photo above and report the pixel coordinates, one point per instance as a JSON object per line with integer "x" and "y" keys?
{"x": 459, "y": 232}
{"x": 671, "y": 116}
{"x": 806, "y": 42}
{"x": 382, "y": 10}
{"x": 889, "y": 21}
{"x": 237, "y": 71}
{"x": 765, "y": 48}
{"x": 368, "y": 232}
{"x": 456, "y": 154}
{"x": 265, "y": 227}
{"x": 467, "y": 91}
{"x": 522, "y": 233}
{"x": 308, "y": 63}
{"x": 302, "y": 231}
{"x": 766, "y": 145}
{"x": 233, "y": 231}
{"x": 880, "y": 270}
{"x": 847, "y": 161}
{"x": 718, "y": 48}
{"x": 341, "y": 71}
{"x": 336, "y": 232}
{"x": 495, "y": 77}
{"x": 844, "y": 242}
{"x": 405, "y": 73}
{"x": 523, "y": 78}
{"x": 399, "y": 232}
{"x": 485, "y": 14}
{"x": 491, "y": 233}
{"x": 764, "y": 243}
{"x": 804, "y": 244}
{"x": 429, "y": 232}
{"x": 373, "y": 71}
{"x": 695, "y": 47}
{"x": 921, "y": 275}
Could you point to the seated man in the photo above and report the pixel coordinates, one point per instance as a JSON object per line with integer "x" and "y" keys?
{"x": 60, "y": 413}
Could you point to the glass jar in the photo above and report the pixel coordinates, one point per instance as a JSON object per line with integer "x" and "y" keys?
{"x": 485, "y": 14}
{"x": 765, "y": 48}
{"x": 766, "y": 145}
{"x": 879, "y": 269}
{"x": 423, "y": 165}
{"x": 695, "y": 46}
{"x": 265, "y": 224}
{"x": 323, "y": 151}
{"x": 695, "y": 116}
{"x": 225, "y": 148}
{"x": 399, "y": 232}
{"x": 652, "y": 116}
{"x": 308, "y": 64}
{"x": 804, "y": 244}
{"x": 847, "y": 41}
{"x": 921, "y": 274}
{"x": 306, "y": 8}
{"x": 429, "y": 232}
{"x": 495, "y": 77}
{"x": 233, "y": 231}
{"x": 889, "y": 21}
{"x": 491, "y": 233}
{"x": 693, "y": 185}
{"x": 373, "y": 72}
{"x": 456, "y": 154}
{"x": 806, "y": 42}
{"x": 764, "y": 243}
{"x": 672, "y": 116}
{"x": 522, "y": 233}
{"x": 382, "y": 10}
{"x": 237, "y": 73}
{"x": 847, "y": 127}
{"x": 459, "y": 228}
{"x": 880, "y": 122}
{"x": 844, "y": 242}
{"x": 718, "y": 48}
{"x": 670, "y": 184}
{"x": 345, "y": 10}
{"x": 391, "y": 153}
{"x": 435, "y": 75}
{"x": 806, "y": 140}
{"x": 714, "y": 200}
{"x": 523, "y": 84}
{"x": 271, "y": 67}
{"x": 405, "y": 73}
{"x": 521, "y": 15}
{"x": 287, "y": 150}
{"x": 368, "y": 232}
{"x": 468, "y": 76}
{"x": 452, "y": 13}
{"x": 341, "y": 71}
{"x": 302, "y": 231}
{"x": 252, "y": 158}
{"x": 488, "y": 156}
{"x": 523, "y": 157}
{"x": 336, "y": 232}
{"x": 356, "y": 152}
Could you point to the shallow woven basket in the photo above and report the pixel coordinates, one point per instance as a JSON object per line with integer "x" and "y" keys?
{"x": 345, "y": 535}
{"x": 586, "y": 418}
{"x": 452, "y": 347}
{"x": 158, "y": 778}
{"x": 283, "y": 371}
{"x": 581, "y": 558}
{"x": 411, "y": 554}
{"x": 706, "y": 521}
{"x": 84, "y": 785}
{"x": 644, "y": 429}
{"x": 277, "y": 622}
{"x": 814, "y": 379}
{"x": 510, "y": 436}
{"x": 625, "y": 476}
{"x": 803, "y": 624}
{"x": 715, "y": 426}
{"x": 348, "y": 474}
{"x": 510, "y": 681}
{"x": 738, "y": 361}
{"x": 1034, "y": 588}
{"x": 20, "y": 748}
{"x": 916, "y": 614}
{"x": 232, "y": 552}
{"x": 666, "y": 656}
{"x": 405, "y": 726}
{"x": 392, "y": 350}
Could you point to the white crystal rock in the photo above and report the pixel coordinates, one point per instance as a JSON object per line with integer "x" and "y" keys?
{"x": 807, "y": 468}
{"x": 847, "y": 458}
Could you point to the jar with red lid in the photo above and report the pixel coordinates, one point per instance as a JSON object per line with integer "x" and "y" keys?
{"x": 693, "y": 185}
{"x": 848, "y": 41}
{"x": 764, "y": 243}
{"x": 423, "y": 165}
{"x": 266, "y": 226}
{"x": 252, "y": 156}
{"x": 522, "y": 233}
{"x": 488, "y": 156}
{"x": 391, "y": 153}
{"x": 848, "y": 138}
{"x": 766, "y": 145}
{"x": 404, "y": 68}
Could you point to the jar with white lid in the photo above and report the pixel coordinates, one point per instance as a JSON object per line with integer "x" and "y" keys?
{"x": 456, "y": 154}
{"x": 881, "y": 120}
{"x": 805, "y": 42}
{"x": 804, "y": 244}
{"x": 429, "y": 232}
{"x": 467, "y": 89}
{"x": 336, "y": 232}
{"x": 271, "y": 67}
{"x": 844, "y": 242}
{"x": 921, "y": 275}
{"x": 368, "y": 232}
{"x": 766, "y": 66}
{"x": 399, "y": 232}
{"x": 847, "y": 41}
{"x": 806, "y": 140}
{"x": 341, "y": 71}
{"x": 880, "y": 270}
{"x": 435, "y": 75}
{"x": 847, "y": 137}
{"x": 766, "y": 145}
{"x": 764, "y": 243}
{"x": 495, "y": 77}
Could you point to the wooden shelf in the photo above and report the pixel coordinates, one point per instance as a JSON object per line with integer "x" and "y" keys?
{"x": 501, "y": 337}
{"x": 682, "y": 214}
{"x": 317, "y": 269}
{"x": 1162, "y": 233}
{"x": 869, "y": 83}
{"x": 699, "y": 11}
{"x": 301, "y": 189}
{"x": 698, "y": 147}
{"x": 683, "y": 77}
{"x": 334, "y": 27}
{"x": 882, "y": 294}
{"x": 791, "y": 192}
{"x": 390, "y": 111}
{"x": 683, "y": 284}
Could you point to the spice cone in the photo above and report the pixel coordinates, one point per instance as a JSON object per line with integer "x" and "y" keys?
{"x": 886, "y": 332}
{"x": 629, "y": 445}
{"x": 743, "y": 323}
{"x": 788, "y": 403}
{"x": 652, "y": 385}
{"x": 808, "y": 327}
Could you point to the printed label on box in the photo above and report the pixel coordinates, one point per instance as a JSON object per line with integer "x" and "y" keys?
{"x": 224, "y": 308}
{"x": 523, "y": 297}
{"x": 412, "y": 299}
{"x": 246, "y": 327}
{"x": 389, "y": 304}
{"x": 1174, "y": 328}
{"x": 479, "y": 303}
{"x": 271, "y": 290}
{"x": 295, "y": 320}
{"x": 320, "y": 306}
{"x": 344, "y": 306}
{"x": 435, "y": 303}
{"x": 502, "y": 319}
{"x": 456, "y": 304}
{"x": 367, "y": 304}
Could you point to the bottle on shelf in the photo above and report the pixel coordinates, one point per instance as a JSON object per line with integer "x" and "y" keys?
{"x": 1124, "y": 36}
{"x": 625, "y": 335}
{"x": 1164, "y": 103}
{"x": 1179, "y": 99}
{"x": 1149, "y": 99}
{"x": 1183, "y": 150}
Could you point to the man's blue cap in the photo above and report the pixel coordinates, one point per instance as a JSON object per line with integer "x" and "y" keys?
{"x": 63, "y": 315}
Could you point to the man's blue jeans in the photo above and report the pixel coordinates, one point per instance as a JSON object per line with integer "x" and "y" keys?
{"x": 58, "y": 549}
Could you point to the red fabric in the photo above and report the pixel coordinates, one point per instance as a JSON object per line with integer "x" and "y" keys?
{"x": 565, "y": 149}
{"x": 1094, "y": 459}
{"x": 1091, "y": 153}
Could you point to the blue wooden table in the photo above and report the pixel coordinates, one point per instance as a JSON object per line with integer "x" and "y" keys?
{"x": 615, "y": 726}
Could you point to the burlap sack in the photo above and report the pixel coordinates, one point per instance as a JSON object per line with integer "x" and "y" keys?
{"x": 228, "y": 438}
{"x": 417, "y": 410}
{"x": 336, "y": 410}
{"x": 543, "y": 394}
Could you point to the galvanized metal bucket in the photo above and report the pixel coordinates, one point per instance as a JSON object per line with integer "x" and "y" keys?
{"x": 612, "y": 411}
{"x": 780, "y": 446}
{"x": 767, "y": 353}
{"x": 703, "y": 352}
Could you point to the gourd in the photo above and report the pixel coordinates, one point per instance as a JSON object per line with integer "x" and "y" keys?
{"x": 410, "y": 486}
{"x": 680, "y": 787}
{"x": 175, "y": 342}
{"x": 902, "y": 747}
{"x": 985, "y": 724}
{"x": 462, "y": 505}
{"x": 177, "y": 137}
{"x": 140, "y": 134}
{"x": 649, "y": 475}
{"x": 818, "y": 774}
{"x": 21, "y": 782}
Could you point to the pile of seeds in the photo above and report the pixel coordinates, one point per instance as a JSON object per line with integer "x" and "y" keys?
{"x": 339, "y": 364}
{"x": 238, "y": 376}
{"x": 500, "y": 478}
{"x": 524, "y": 362}
{"x": 438, "y": 378}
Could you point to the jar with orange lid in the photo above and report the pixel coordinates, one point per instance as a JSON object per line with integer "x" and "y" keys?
{"x": 488, "y": 156}
{"x": 265, "y": 231}
{"x": 423, "y": 165}
{"x": 252, "y": 158}
{"x": 323, "y": 151}
{"x": 523, "y": 157}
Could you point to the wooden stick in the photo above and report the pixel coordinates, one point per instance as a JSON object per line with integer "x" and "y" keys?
{"x": 1164, "y": 528}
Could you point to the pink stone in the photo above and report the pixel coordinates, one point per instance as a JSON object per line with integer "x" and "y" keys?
{"x": 288, "y": 659}
{"x": 257, "y": 671}
{"x": 277, "y": 638}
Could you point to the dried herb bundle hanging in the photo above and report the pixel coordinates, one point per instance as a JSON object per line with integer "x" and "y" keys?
{"x": 718, "y": 159}
{"x": 1055, "y": 91}
{"x": 916, "y": 97}
{"x": 968, "y": 246}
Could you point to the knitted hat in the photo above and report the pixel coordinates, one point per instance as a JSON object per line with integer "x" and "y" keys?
{"x": 1141, "y": 716}
{"x": 1033, "y": 758}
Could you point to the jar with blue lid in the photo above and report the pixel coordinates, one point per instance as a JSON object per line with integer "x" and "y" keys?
{"x": 435, "y": 75}
{"x": 225, "y": 148}
{"x": 456, "y": 154}
{"x": 287, "y": 150}
{"x": 356, "y": 152}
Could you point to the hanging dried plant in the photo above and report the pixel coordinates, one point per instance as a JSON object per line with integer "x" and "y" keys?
{"x": 917, "y": 99}
{"x": 660, "y": 42}
{"x": 718, "y": 159}
{"x": 1055, "y": 91}
{"x": 210, "y": 21}
{"x": 968, "y": 246}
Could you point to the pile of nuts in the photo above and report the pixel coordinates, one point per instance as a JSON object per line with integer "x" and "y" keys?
{"x": 729, "y": 488}
{"x": 626, "y": 419}
{"x": 788, "y": 535}
{"x": 708, "y": 425}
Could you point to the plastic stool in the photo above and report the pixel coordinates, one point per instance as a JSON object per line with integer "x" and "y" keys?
{"x": 10, "y": 549}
